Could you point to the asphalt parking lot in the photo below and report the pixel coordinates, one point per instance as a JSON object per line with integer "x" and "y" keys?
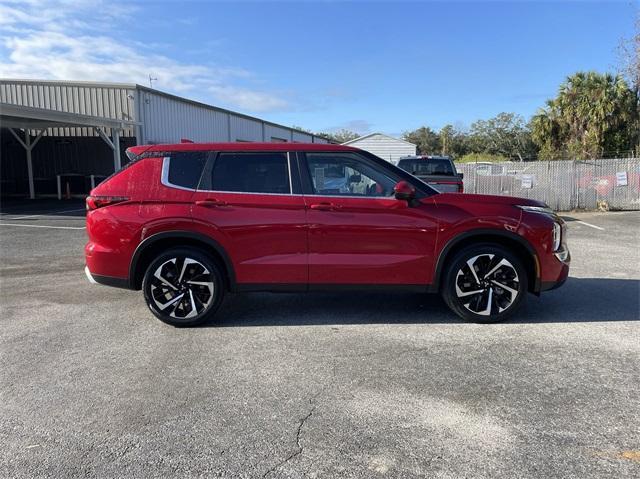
{"x": 319, "y": 385}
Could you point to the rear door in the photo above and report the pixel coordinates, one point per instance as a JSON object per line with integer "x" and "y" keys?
{"x": 359, "y": 233}
{"x": 251, "y": 203}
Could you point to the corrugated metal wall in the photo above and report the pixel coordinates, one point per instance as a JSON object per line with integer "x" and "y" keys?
{"x": 114, "y": 101}
{"x": 386, "y": 147}
{"x": 301, "y": 137}
{"x": 275, "y": 133}
{"x": 167, "y": 119}
{"x": 243, "y": 129}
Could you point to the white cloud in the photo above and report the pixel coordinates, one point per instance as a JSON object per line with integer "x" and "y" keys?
{"x": 36, "y": 42}
{"x": 359, "y": 126}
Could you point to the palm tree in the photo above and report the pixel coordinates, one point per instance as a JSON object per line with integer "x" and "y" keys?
{"x": 592, "y": 115}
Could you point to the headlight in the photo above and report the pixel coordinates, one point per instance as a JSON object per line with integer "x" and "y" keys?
{"x": 557, "y": 236}
{"x": 537, "y": 209}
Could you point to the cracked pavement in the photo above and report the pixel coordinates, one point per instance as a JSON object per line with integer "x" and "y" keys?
{"x": 323, "y": 385}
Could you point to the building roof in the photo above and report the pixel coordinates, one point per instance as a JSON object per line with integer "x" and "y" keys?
{"x": 27, "y": 117}
{"x": 377, "y": 134}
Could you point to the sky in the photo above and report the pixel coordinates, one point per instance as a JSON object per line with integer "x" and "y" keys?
{"x": 323, "y": 66}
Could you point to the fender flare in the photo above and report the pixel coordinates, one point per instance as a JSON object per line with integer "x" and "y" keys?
{"x": 435, "y": 285}
{"x": 180, "y": 234}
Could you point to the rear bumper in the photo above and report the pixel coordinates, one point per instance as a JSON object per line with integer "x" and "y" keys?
{"x": 106, "y": 280}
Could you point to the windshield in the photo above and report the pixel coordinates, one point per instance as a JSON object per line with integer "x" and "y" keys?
{"x": 428, "y": 167}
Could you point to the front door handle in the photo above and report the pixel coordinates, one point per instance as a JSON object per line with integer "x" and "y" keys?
{"x": 211, "y": 202}
{"x": 324, "y": 207}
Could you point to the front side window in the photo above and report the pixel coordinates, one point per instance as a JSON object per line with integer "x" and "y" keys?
{"x": 185, "y": 168}
{"x": 346, "y": 174}
{"x": 251, "y": 173}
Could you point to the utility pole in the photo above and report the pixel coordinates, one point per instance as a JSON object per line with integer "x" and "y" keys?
{"x": 151, "y": 80}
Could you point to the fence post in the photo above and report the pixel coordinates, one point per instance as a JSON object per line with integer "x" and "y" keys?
{"x": 575, "y": 199}
{"x": 475, "y": 177}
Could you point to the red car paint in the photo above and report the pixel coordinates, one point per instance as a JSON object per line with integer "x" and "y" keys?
{"x": 304, "y": 241}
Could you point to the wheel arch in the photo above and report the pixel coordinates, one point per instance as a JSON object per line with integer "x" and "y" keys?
{"x": 154, "y": 244}
{"x": 514, "y": 242}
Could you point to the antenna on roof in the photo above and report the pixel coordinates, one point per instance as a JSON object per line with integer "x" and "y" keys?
{"x": 151, "y": 80}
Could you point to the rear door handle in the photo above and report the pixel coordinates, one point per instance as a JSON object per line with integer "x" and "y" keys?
{"x": 211, "y": 202}
{"x": 324, "y": 206}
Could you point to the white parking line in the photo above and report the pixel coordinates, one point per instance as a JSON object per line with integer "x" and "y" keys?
{"x": 2, "y": 223}
{"x": 51, "y": 213}
{"x": 590, "y": 225}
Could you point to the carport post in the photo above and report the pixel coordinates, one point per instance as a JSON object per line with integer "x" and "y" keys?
{"x": 28, "y": 146}
{"x": 32, "y": 188}
{"x": 116, "y": 149}
{"x": 114, "y": 144}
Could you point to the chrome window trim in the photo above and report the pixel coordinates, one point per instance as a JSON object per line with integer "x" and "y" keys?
{"x": 289, "y": 167}
{"x": 245, "y": 193}
{"x": 166, "y": 162}
{"x": 356, "y": 197}
{"x": 164, "y": 178}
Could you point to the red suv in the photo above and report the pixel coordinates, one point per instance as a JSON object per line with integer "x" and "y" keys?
{"x": 187, "y": 223}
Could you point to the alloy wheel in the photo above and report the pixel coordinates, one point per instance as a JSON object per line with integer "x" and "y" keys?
{"x": 182, "y": 287}
{"x": 487, "y": 284}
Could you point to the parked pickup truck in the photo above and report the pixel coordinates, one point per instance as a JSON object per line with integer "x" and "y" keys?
{"x": 437, "y": 171}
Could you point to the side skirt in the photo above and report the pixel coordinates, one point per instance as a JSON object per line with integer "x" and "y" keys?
{"x": 302, "y": 288}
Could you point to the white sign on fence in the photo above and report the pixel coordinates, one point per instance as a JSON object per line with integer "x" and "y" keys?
{"x": 527, "y": 181}
{"x": 621, "y": 178}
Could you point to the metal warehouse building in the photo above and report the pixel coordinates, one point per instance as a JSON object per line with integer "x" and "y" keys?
{"x": 74, "y": 134}
{"x": 384, "y": 146}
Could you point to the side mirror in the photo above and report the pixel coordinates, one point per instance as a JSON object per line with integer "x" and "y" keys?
{"x": 404, "y": 191}
{"x": 461, "y": 175}
{"x": 355, "y": 178}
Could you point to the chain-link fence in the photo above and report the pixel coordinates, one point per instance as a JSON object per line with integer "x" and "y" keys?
{"x": 564, "y": 185}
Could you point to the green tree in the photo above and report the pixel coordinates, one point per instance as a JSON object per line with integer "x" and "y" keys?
{"x": 593, "y": 115}
{"x": 427, "y": 140}
{"x": 507, "y": 135}
{"x": 340, "y": 136}
{"x": 453, "y": 142}
{"x": 630, "y": 58}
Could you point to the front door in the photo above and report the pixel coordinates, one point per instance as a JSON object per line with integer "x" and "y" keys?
{"x": 246, "y": 202}
{"x": 359, "y": 233}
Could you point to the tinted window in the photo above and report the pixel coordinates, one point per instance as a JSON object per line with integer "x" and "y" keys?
{"x": 251, "y": 173}
{"x": 427, "y": 167}
{"x": 345, "y": 174}
{"x": 185, "y": 168}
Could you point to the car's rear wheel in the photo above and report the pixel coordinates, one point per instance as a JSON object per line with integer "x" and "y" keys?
{"x": 485, "y": 283}
{"x": 183, "y": 287}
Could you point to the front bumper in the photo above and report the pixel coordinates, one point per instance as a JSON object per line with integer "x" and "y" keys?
{"x": 561, "y": 279}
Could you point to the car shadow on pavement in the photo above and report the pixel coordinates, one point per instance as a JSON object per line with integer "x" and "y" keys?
{"x": 578, "y": 300}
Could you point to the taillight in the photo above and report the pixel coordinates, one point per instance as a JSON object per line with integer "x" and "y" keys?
{"x": 95, "y": 202}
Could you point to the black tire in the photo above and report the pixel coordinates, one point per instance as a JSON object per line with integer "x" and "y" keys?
{"x": 468, "y": 292}
{"x": 187, "y": 273}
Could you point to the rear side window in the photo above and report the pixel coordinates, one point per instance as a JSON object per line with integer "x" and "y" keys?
{"x": 251, "y": 173}
{"x": 428, "y": 167}
{"x": 185, "y": 169}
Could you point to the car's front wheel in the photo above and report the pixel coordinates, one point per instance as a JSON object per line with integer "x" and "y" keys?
{"x": 485, "y": 283}
{"x": 183, "y": 287}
